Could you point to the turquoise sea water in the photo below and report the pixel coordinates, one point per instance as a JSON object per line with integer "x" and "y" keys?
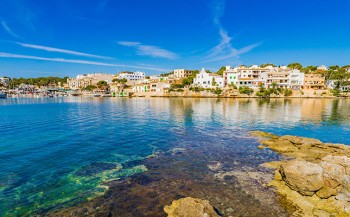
{"x": 60, "y": 151}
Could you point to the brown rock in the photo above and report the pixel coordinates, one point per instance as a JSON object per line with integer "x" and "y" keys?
{"x": 310, "y": 141}
{"x": 293, "y": 139}
{"x": 340, "y": 160}
{"x": 302, "y": 176}
{"x": 283, "y": 146}
{"x": 190, "y": 207}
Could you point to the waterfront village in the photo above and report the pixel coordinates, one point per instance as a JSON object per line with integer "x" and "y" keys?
{"x": 266, "y": 80}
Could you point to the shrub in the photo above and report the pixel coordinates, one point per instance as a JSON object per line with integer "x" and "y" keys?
{"x": 335, "y": 92}
{"x": 245, "y": 90}
{"x": 288, "y": 92}
{"x": 174, "y": 86}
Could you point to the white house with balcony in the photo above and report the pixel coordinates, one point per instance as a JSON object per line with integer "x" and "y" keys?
{"x": 131, "y": 76}
{"x": 296, "y": 79}
{"x": 245, "y": 76}
{"x": 208, "y": 80}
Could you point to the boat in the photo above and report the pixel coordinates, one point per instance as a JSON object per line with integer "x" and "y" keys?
{"x": 97, "y": 95}
{"x": 3, "y": 95}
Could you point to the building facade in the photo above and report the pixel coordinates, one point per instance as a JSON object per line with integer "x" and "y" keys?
{"x": 182, "y": 73}
{"x": 296, "y": 79}
{"x": 82, "y": 81}
{"x": 4, "y": 81}
{"x": 131, "y": 76}
{"x": 208, "y": 80}
{"x": 314, "y": 81}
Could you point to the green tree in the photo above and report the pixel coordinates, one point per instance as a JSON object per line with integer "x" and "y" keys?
{"x": 90, "y": 87}
{"x": 103, "y": 85}
{"x": 121, "y": 81}
{"x": 245, "y": 90}
{"x": 221, "y": 70}
{"x": 288, "y": 92}
{"x": 263, "y": 92}
{"x": 335, "y": 67}
{"x": 267, "y": 64}
{"x": 187, "y": 81}
{"x": 295, "y": 66}
{"x": 309, "y": 69}
{"x": 166, "y": 74}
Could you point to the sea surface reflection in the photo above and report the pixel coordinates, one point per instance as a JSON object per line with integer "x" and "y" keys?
{"x": 62, "y": 151}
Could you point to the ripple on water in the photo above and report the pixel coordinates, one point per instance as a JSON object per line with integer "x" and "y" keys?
{"x": 62, "y": 151}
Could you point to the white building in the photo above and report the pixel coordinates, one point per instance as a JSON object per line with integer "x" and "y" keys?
{"x": 322, "y": 67}
{"x": 243, "y": 76}
{"x": 331, "y": 84}
{"x": 296, "y": 79}
{"x": 208, "y": 80}
{"x": 131, "y": 76}
{"x": 279, "y": 76}
{"x": 4, "y": 81}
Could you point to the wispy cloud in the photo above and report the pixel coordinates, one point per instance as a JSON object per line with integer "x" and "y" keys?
{"x": 224, "y": 50}
{"x": 8, "y": 30}
{"x": 149, "y": 50}
{"x": 19, "y": 56}
{"x": 58, "y": 50}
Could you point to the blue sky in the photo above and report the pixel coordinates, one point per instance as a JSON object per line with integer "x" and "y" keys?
{"x": 67, "y": 37}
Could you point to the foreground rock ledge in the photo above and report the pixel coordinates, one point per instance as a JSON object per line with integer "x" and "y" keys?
{"x": 190, "y": 207}
{"x": 315, "y": 178}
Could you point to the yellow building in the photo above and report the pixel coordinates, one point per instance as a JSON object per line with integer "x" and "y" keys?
{"x": 314, "y": 81}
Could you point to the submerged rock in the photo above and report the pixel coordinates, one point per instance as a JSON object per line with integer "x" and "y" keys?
{"x": 215, "y": 166}
{"x": 190, "y": 207}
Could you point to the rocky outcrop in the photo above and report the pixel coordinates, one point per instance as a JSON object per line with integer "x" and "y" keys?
{"x": 308, "y": 149}
{"x": 302, "y": 176}
{"x": 189, "y": 206}
{"x": 315, "y": 178}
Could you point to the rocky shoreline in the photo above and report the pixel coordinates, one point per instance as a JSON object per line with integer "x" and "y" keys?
{"x": 314, "y": 177}
{"x": 309, "y": 178}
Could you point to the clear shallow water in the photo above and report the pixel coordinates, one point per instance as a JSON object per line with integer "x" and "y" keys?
{"x": 61, "y": 151}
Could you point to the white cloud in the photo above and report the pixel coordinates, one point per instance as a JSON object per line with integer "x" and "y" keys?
{"x": 19, "y": 56}
{"x": 58, "y": 50}
{"x": 224, "y": 50}
{"x": 8, "y": 30}
{"x": 149, "y": 50}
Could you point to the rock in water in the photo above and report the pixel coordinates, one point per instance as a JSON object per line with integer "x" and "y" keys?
{"x": 302, "y": 176}
{"x": 317, "y": 181}
{"x": 190, "y": 207}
